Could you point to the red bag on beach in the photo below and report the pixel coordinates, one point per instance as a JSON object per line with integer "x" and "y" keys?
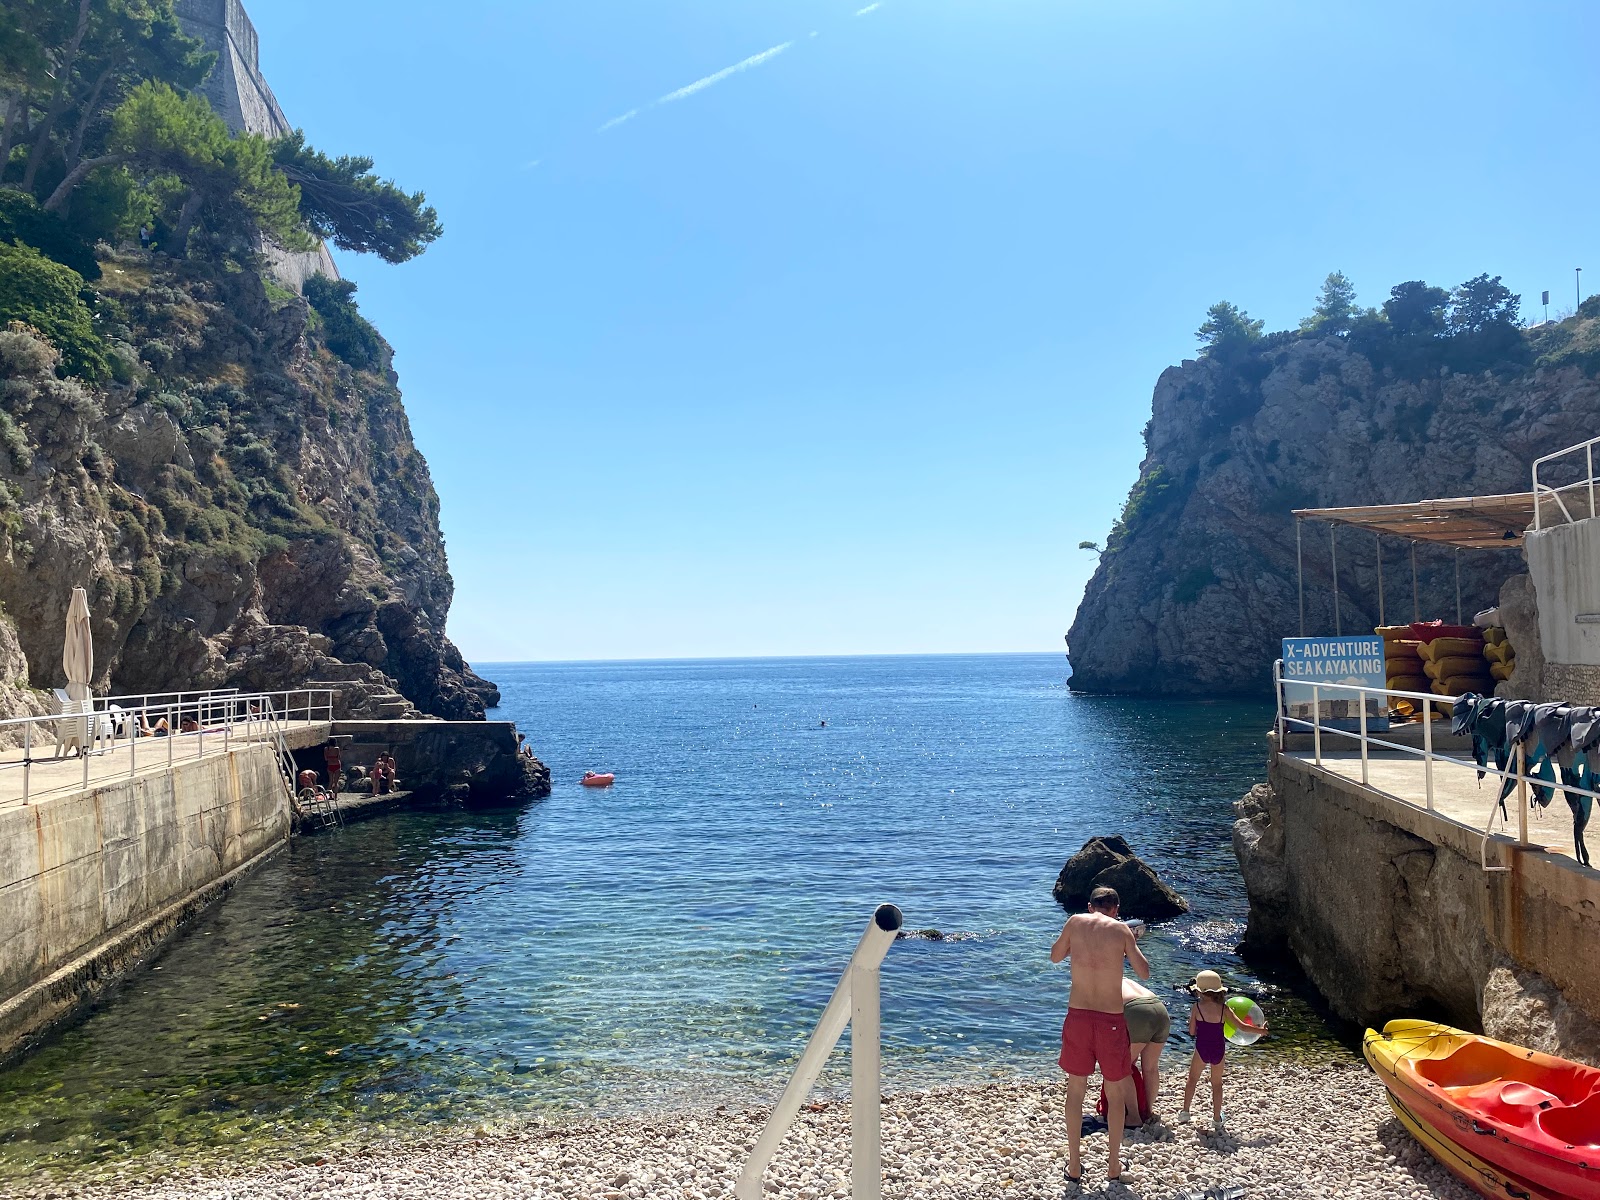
{"x": 1138, "y": 1090}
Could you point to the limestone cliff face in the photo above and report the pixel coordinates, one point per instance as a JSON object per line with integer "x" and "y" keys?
{"x": 246, "y": 509}
{"x": 1197, "y": 583}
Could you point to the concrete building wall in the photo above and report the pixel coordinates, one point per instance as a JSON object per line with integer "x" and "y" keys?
{"x": 1564, "y": 561}
{"x": 90, "y": 881}
{"x": 240, "y": 95}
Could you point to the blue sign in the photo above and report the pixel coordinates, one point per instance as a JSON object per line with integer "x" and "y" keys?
{"x": 1352, "y": 661}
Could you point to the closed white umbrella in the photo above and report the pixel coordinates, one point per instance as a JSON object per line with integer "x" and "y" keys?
{"x": 78, "y": 656}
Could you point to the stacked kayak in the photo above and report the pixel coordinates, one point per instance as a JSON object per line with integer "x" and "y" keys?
{"x": 1508, "y": 1121}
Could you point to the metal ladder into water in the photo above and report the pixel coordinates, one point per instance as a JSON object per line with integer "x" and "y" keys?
{"x": 321, "y": 812}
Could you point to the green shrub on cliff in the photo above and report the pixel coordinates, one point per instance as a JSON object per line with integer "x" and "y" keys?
{"x": 44, "y": 294}
{"x": 22, "y": 220}
{"x": 349, "y": 335}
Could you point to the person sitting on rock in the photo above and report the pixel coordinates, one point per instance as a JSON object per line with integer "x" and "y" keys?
{"x": 383, "y": 775}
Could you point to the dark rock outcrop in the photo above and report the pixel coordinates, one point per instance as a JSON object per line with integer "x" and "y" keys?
{"x": 1197, "y": 582}
{"x": 246, "y": 509}
{"x": 466, "y": 762}
{"x": 1111, "y": 862}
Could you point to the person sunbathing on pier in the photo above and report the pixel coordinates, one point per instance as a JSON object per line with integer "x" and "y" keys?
{"x": 1095, "y": 1030}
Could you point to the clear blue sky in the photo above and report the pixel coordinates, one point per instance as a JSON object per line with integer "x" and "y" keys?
{"x": 846, "y": 351}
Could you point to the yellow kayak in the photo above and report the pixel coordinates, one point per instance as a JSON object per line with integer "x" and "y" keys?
{"x": 1411, "y": 1057}
{"x": 1464, "y": 1165}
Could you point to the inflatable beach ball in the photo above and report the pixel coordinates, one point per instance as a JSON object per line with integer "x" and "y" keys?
{"x": 1245, "y": 1023}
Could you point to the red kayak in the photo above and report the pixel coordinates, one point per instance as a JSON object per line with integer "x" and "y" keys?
{"x": 1534, "y": 1116}
{"x": 590, "y": 779}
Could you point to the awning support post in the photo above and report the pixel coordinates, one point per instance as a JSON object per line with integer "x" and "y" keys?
{"x": 1300, "y": 573}
{"x": 1416, "y": 609}
{"x": 1333, "y": 553}
{"x": 1377, "y": 543}
{"x": 1458, "y": 585}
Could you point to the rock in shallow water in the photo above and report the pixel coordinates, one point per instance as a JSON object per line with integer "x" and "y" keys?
{"x": 1111, "y": 862}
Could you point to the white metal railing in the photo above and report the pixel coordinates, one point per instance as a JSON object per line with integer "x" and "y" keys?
{"x": 117, "y": 735}
{"x": 1584, "y": 486}
{"x": 854, "y": 1003}
{"x": 1287, "y": 723}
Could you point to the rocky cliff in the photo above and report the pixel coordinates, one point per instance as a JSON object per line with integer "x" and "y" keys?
{"x": 1197, "y": 582}
{"x": 245, "y": 507}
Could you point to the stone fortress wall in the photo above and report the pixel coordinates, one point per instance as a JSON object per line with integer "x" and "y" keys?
{"x": 240, "y": 95}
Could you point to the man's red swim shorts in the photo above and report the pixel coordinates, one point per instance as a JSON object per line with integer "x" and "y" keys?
{"x": 1089, "y": 1037}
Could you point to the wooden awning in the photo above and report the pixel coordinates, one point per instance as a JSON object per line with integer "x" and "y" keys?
{"x": 1479, "y": 522}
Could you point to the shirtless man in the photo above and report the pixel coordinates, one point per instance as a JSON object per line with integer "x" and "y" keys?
{"x": 1095, "y": 1030}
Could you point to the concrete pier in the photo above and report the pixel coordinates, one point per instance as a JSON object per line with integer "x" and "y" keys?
{"x": 91, "y": 881}
{"x": 1387, "y": 907}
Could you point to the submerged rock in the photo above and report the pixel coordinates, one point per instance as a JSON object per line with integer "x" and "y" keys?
{"x": 1111, "y": 862}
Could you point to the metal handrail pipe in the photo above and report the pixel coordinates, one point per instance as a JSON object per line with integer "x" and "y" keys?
{"x": 842, "y": 1008}
{"x": 1519, "y": 776}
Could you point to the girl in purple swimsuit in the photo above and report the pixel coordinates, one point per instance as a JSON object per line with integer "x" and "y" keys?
{"x": 1205, "y": 1026}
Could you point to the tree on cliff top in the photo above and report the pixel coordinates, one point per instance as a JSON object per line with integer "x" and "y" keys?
{"x": 66, "y": 65}
{"x": 98, "y": 124}
{"x": 1416, "y": 310}
{"x": 177, "y": 145}
{"x": 1335, "y": 309}
{"x": 1227, "y": 326}
{"x": 1481, "y": 304}
{"x": 342, "y": 201}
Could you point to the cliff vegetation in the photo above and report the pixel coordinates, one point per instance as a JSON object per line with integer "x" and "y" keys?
{"x": 224, "y": 463}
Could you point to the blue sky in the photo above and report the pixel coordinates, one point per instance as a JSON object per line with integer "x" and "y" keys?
{"x": 845, "y": 351}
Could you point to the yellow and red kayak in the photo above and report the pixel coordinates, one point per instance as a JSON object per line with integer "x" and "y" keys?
{"x": 1460, "y": 1162}
{"x": 1532, "y": 1117}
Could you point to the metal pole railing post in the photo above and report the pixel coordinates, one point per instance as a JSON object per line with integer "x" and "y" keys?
{"x": 171, "y": 735}
{"x": 83, "y": 745}
{"x": 1588, "y": 454}
{"x": 27, "y": 761}
{"x": 1427, "y": 750}
{"x": 866, "y": 1116}
{"x": 1522, "y": 795}
{"x": 133, "y": 752}
{"x": 843, "y": 1008}
{"x": 1277, "y": 697}
{"x": 1316, "y": 721}
{"x": 1362, "y": 700}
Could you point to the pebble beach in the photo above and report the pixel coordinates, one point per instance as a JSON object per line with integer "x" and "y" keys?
{"x": 1294, "y": 1130}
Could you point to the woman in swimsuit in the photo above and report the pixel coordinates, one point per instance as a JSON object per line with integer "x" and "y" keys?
{"x": 1205, "y": 1026}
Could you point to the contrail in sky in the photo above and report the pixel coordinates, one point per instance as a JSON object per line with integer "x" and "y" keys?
{"x": 861, "y": 12}
{"x": 700, "y": 85}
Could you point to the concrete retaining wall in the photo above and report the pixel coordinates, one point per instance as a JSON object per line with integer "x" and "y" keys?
{"x": 1388, "y": 911}
{"x": 90, "y": 881}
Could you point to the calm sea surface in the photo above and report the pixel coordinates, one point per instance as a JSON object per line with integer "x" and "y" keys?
{"x": 671, "y": 940}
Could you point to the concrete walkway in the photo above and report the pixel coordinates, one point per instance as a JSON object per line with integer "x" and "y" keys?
{"x": 49, "y": 776}
{"x": 1457, "y": 794}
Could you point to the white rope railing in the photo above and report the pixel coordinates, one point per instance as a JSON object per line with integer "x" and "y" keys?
{"x": 854, "y": 1003}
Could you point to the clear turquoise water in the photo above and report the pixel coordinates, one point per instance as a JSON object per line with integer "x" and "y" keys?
{"x": 670, "y": 940}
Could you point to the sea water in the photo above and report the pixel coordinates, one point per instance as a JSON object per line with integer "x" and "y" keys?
{"x": 669, "y": 941}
